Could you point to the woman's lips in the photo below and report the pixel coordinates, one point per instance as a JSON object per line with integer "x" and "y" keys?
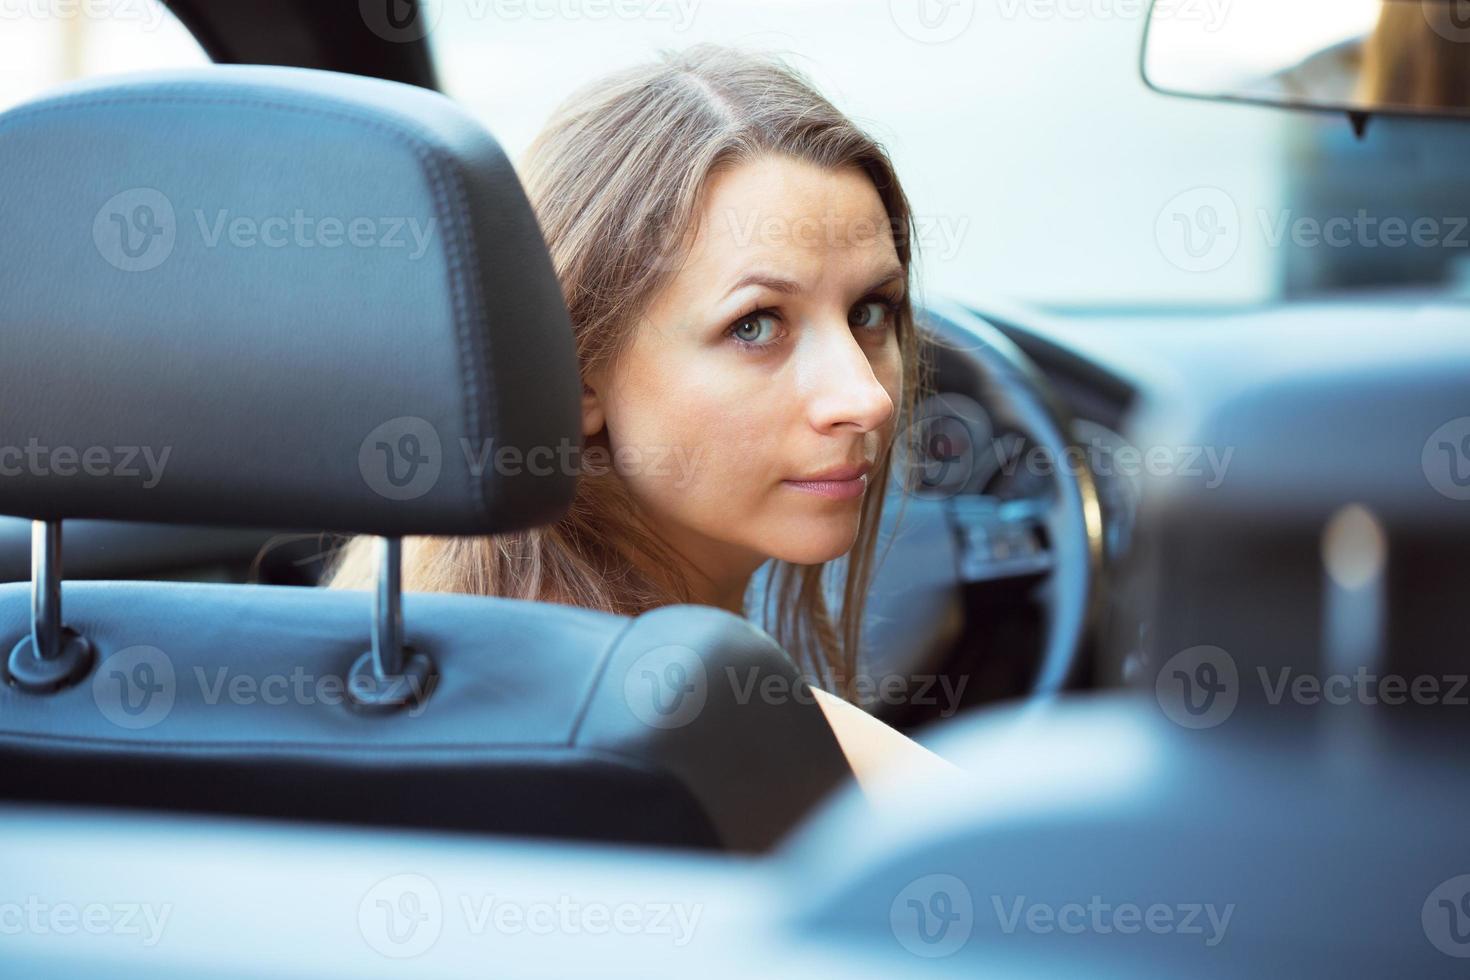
{"x": 831, "y": 489}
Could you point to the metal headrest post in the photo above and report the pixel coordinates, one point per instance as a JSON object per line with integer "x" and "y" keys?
{"x": 52, "y": 656}
{"x": 388, "y": 610}
{"x": 390, "y": 675}
{"x": 46, "y": 588}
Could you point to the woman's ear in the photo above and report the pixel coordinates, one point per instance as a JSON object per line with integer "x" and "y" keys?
{"x": 593, "y": 417}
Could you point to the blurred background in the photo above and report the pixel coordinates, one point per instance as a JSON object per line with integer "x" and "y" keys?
{"x": 1041, "y": 167}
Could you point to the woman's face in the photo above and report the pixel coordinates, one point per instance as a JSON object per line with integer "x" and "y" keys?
{"x": 765, "y": 375}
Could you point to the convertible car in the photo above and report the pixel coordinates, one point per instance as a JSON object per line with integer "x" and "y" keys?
{"x": 1176, "y": 576}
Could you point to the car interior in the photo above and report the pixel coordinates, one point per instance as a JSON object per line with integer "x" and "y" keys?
{"x": 1178, "y": 588}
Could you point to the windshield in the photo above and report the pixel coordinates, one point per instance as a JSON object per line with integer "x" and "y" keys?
{"x": 1040, "y": 166}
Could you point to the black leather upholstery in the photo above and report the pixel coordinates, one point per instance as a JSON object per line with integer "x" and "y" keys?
{"x": 544, "y": 720}
{"x": 324, "y": 265}
{"x": 264, "y": 370}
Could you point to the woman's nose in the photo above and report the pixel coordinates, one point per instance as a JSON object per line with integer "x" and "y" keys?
{"x": 844, "y": 390}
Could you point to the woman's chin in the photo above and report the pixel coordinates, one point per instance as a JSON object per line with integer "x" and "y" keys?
{"x": 813, "y": 546}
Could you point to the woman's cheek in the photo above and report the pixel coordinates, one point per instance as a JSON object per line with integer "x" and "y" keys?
{"x": 662, "y": 458}
{"x": 706, "y": 431}
{"x": 720, "y": 464}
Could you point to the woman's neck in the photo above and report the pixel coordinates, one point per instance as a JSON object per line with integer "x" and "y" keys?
{"x": 716, "y": 576}
{"x": 732, "y": 599}
{"x": 721, "y": 584}
{"x": 716, "y": 573}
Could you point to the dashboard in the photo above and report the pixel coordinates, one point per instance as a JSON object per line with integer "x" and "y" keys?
{"x": 1267, "y": 429}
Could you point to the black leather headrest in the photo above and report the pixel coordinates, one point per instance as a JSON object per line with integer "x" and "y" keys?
{"x": 276, "y": 297}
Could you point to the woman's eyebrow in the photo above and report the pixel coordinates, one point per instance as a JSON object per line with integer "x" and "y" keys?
{"x": 780, "y": 285}
{"x": 775, "y": 283}
{"x": 896, "y": 274}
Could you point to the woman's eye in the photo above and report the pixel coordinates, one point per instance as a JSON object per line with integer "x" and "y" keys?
{"x": 757, "y": 329}
{"x": 870, "y": 314}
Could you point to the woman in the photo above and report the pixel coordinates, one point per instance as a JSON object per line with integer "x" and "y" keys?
{"x": 734, "y": 254}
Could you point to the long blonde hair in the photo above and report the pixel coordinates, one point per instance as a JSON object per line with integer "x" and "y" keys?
{"x": 1410, "y": 59}
{"x": 615, "y": 179}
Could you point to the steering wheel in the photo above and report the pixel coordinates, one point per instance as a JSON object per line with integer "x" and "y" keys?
{"x": 993, "y": 490}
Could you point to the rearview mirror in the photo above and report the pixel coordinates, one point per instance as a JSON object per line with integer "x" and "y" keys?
{"x": 1403, "y": 57}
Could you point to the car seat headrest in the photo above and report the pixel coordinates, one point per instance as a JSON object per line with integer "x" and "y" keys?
{"x": 276, "y": 297}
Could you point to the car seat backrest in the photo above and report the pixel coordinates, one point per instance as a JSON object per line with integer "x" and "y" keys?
{"x": 268, "y": 297}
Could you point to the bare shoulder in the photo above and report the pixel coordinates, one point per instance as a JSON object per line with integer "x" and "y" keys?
{"x": 876, "y": 751}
